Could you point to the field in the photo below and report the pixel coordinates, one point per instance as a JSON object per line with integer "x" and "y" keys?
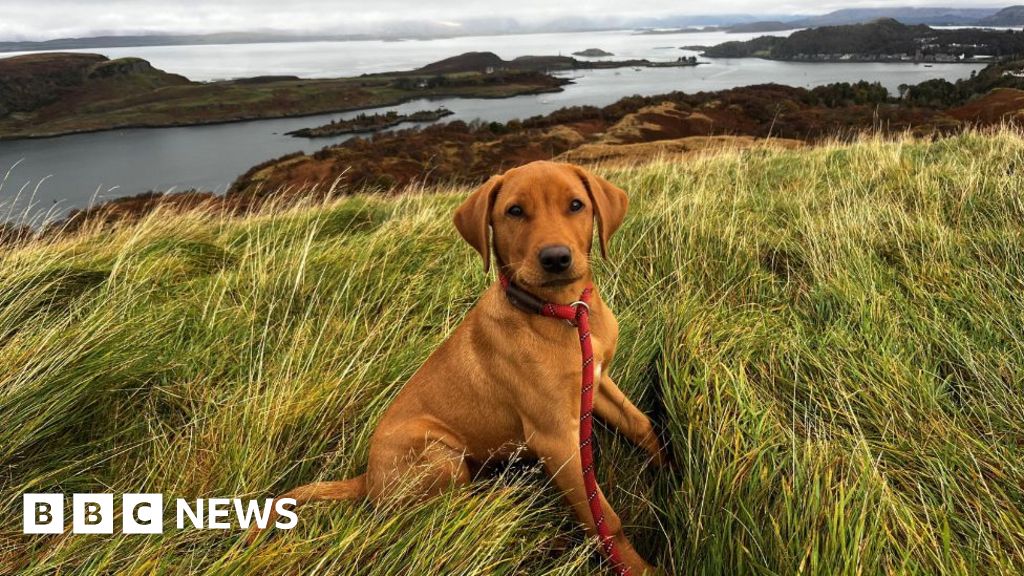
{"x": 837, "y": 335}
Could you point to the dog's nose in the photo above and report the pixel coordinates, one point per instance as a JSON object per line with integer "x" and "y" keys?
{"x": 555, "y": 259}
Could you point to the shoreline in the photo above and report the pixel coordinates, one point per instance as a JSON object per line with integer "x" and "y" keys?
{"x": 398, "y": 102}
{"x": 852, "y": 61}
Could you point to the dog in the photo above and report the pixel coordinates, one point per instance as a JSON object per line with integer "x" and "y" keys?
{"x": 507, "y": 380}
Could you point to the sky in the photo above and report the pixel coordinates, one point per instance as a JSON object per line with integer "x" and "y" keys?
{"x": 27, "y": 20}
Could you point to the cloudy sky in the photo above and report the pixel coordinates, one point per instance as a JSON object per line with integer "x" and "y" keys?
{"x": 26, "y": 20}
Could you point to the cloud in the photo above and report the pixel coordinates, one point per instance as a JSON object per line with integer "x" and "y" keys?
{"x": 67, "y": 18}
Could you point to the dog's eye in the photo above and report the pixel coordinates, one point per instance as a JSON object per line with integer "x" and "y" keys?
{"x": 576, "y": 206}
{"x": 515, "y": 211}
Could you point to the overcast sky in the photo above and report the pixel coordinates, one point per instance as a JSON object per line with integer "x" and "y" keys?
{"x": 28, "y": 20}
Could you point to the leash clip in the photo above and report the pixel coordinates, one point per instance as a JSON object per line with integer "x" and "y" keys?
{"x": 576, "y": 305}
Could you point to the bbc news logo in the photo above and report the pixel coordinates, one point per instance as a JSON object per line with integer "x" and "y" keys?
{"x": 144, "y": 513}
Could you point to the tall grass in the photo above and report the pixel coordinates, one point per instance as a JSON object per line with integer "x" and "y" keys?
{"x": 837, "y": 336}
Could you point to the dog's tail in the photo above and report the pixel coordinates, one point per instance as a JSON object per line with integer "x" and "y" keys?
{"x": 351, "y": 489}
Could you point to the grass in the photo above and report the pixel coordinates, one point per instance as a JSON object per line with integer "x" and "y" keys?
{"x": 838, "y": 335}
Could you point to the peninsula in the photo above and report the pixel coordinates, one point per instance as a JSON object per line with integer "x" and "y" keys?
{"x": 55, "y": 93}
{"x": 364, "y": 123}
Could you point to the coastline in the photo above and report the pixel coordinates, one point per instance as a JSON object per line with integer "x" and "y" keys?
{"x": 256, "y": 118}
{"x": 975, "y": 62}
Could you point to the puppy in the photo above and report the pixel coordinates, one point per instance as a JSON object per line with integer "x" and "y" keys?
{"x": 508, "y": 378}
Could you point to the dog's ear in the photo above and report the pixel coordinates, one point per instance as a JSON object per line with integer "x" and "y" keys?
{"x": 473, "y": 218}
{"x": 610, "y": 204}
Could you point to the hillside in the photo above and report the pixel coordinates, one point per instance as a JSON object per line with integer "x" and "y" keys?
{"x": 1012, "y": 16}
{"x": 930, "y": 16}
{"x": 28, "y": 83}
{"x": 909, "y": 15}
{"x": 882, "y": 40}
{"x": 835, "y": 333}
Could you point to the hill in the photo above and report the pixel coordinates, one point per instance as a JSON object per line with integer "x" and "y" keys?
{"x": 1011, "y": 16}
{"x": 28, "y": 83}
{"x": 882, "y": 40}
{"x": 766, "y": 26}
{"x": 426, "y": 29}
{"x": 131, "y": 41}
{"x": 909, "y": 15}
{"x": 835, "y": 334}
{"x": 848, "y": 16}
{"x": 489, "y": 62}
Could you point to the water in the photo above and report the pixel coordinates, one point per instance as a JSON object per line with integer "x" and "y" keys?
{"x": 72, "y": 171}
{"x": 335, "y": 59}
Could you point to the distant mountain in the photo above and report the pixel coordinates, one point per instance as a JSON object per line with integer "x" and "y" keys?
{"x": 767, "y": 26}
{"x": 428, "y": 29}
{"x": 705, "y": 20}
{"x": 398, "y": 30}
{"x": 166, "y": 40}
{"x": 905, "y": 15}
{"x": 1012, "y": 16}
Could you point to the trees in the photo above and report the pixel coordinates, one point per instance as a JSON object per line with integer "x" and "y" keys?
{"x": 936, "y": 93}
{"x": 846, "y": 94}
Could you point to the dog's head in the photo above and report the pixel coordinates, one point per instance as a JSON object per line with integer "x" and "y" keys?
{"x": 542, "y": 217}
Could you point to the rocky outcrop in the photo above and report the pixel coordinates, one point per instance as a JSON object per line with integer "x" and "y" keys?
{"x": 659, "y": 122}
{"x": 121, "y": 67}
{"x": 34, "y": 81}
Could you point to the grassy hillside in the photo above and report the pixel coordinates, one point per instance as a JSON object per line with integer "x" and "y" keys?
{"x": 837, "y": 332}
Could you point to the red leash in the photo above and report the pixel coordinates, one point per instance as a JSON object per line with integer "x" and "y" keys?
{"x": 578, "y": 314}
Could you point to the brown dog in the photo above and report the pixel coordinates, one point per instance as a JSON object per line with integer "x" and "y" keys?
{"x": 506, "y": 378}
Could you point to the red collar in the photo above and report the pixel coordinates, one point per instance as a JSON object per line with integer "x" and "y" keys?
{"x": 527, "y": 302}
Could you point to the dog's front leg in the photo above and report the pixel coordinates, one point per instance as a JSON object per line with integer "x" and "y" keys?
{"x": 561, "y": 456}
{"x": 616, "y": 410}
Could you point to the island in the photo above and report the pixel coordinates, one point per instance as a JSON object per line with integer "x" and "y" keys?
{"x": 489, "y": 62}
{"x": 55, "y": 93}
{"x": 885, "y": 40}
{"x": 364, "y": 123}
{"x": 593, "y": 53}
